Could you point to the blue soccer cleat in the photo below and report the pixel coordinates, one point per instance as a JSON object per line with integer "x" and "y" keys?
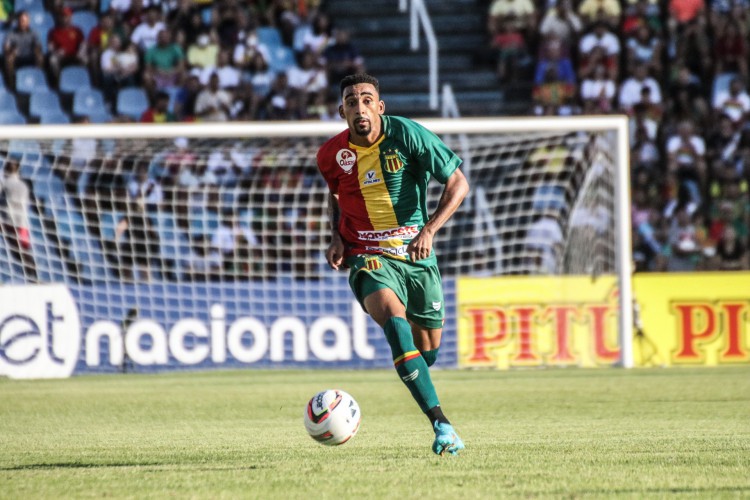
{"x": 446, "y": 440}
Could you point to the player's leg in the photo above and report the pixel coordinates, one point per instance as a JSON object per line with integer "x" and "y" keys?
{"x": 427, "y": 341}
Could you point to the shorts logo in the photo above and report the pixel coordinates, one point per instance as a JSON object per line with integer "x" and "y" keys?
{"x": 346, "y": 159}
{"x": 392, "y": 161}
{"x": 436, "y": 305}
{"x": 371, "y": 178}
{"x": 373, "y": 264}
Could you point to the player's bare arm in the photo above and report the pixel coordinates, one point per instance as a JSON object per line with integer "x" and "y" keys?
{"x": 335, "y": 251}
{"x": 454, "y": 193}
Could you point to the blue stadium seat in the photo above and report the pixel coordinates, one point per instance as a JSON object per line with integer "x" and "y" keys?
{"x": 41, "y": 22}
{"x": 85, "y": 19}
{"x": 300, "y": 32}
{"x": 29, "y": 5}
{"x": 282, "y": 58}
{"x": 44, "y": 102}
{"x": 132, "y": 102}
{"x": 73, "y": 78}
{"x": 102, "y": 116}
{"x": 31, "y": 79}
{"x": 54, "y": 118}
{"x": 87, "y": 102}
{"x": 11, "y": 118}
{"x": 3, "y": 34}
{"x": 269, "y": 36}
{"x": 8, "y": 102}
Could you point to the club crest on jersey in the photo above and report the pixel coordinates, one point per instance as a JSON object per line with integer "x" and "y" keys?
{"x": 392, "y": 161}
{"x": 346, "y": 159}
{"x": 436, "y": 305}
{"x": 372, "y": 264}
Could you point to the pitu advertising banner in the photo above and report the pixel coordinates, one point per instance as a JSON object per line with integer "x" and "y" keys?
{"x": 681, "y": 319}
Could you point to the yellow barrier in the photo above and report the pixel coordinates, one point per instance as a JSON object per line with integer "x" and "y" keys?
{"x": 688, "y": 319}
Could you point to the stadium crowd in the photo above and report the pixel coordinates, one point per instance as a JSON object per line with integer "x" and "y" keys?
{"x": 678, "y": 69}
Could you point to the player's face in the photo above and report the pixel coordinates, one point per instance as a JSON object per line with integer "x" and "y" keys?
{"x": 361, "y": 108}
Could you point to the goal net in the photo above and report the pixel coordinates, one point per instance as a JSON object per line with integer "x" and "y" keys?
{"x": 222, "y": 222}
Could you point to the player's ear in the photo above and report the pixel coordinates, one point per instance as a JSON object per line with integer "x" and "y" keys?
{"x": 381, "y": 107}
{"x": 341, "y": 111}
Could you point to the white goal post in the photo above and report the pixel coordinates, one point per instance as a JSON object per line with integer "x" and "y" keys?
{"x": 257, "y": 183}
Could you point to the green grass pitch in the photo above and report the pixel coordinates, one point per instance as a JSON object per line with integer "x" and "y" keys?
{"x": 238, "y": 434}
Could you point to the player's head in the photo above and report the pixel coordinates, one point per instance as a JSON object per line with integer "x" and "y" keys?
{"x": 361, "y": 107}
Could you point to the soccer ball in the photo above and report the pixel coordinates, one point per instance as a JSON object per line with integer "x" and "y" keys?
{"x": 332, "y": 417}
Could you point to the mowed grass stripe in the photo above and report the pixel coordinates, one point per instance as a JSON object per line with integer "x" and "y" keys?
{"x": 239, "y": 434}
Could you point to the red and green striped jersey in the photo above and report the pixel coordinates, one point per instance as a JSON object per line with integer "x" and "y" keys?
{"x": 382, "y": 189}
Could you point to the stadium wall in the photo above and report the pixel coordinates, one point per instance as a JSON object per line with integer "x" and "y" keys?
{"x": 681, "y": 319}
{"x": 51, "y": 331}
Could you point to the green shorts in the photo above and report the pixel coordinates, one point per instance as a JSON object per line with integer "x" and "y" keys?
{"x": 419, "y": 287}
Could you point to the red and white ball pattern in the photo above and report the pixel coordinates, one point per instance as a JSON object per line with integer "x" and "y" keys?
{"x": 332, "y": 417}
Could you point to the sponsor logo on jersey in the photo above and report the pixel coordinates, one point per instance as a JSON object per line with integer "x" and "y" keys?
{"x": 346, "y": 158}
{"x": 373, "y": 264}
{"x": 371, "y": 177}
{"x": 399, "y": 251}
{"x": 403, "y": 233}
{"x": 392, "y": 161}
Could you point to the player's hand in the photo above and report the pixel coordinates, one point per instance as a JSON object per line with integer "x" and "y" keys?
{"x": 420, "y": 247}
{"x": 335, "y": 254}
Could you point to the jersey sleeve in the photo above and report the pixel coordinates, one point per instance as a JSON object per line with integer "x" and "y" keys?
{"x": 430, "y": 151}
{"x": 325, "y": 159}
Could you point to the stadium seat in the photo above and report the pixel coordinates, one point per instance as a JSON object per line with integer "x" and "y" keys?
{"x": 31, "y": 79}
{"x": 11, "y": 118}
{"x": 41, "y": 22}
{"x": 102, "y": 116}
{"x": 3, "y": 34}
{"x": 87, "y": 102}
{"x": 269, "y": 36}
{"x": 54, "y": 117}
{"x": 132, "y": 102}
{"x": 86, "y": 20}
{"x": 73, "y": 78}
{"x": 29, "y": 5}
{"x": 8, "y": 102}
{"x": 44, "y": 102}
{"x": 282, "y": 58}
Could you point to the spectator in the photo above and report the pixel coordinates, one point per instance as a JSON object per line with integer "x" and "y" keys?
{"x": 234, "y": 242}
{"x": 512, "y": 50}
{"x": 320, "y": 37}
{"x": 513, "y": 15}
{"x": 686, "y": 96}
{"x": 164, "y": 64}
{"x": 602, "y": 38}
{"x": 213, "y": 103}
{"x": 639, "y": 13}
{"x": 342, "y": 57}
{"x": 119, "y": 67}
{"x": 726, "y": 154}
{"x": 595, "y": 11}
{"x": 159, "y": 112}
{"x": 644, "y": 47}
{"x": 98, "y": 41}
{"x": 598, "y": 92}
{"x": 246, "y": 51}
{"x": 643, "y": 150}
{"x": 245, "y": 104}
{"x": 730, "y": 207}
{"x": 14, "y": 220}
{"x": 686, "y": 161}
{"x": 187, "y": 95}
{"x": 543, "y": 244}
{"x": 733, "y": 103}
{"x": 66, "y": 44}
{"x": 146, "y": 189}
{"x": 146, "y": 34}
{"x": 630, "y": 89}
{"x": 280, "y": 103}
{"x": 562, "y": 23}
{"x": 203, "y": 53}
{"x": 731, "y": 251}
{"x": 731, "y": 51}
{"x": 229, "y": 76}
{"x": 186, "y": 20}
{"x": 686, "y": 253}
{"x": 308, "y": 81}
{"x": 21, "y": 48}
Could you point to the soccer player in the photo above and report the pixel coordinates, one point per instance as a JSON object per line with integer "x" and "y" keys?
{"x": 377, "y": 172}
